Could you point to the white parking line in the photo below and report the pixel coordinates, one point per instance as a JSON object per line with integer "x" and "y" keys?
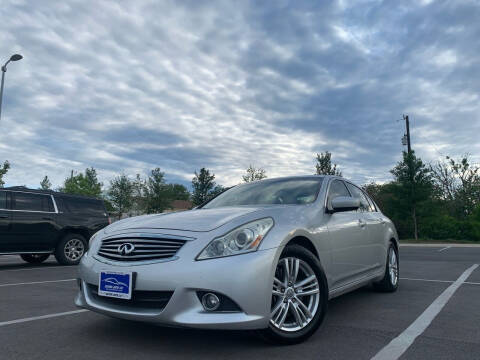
{"x": 18, "y": 321}
{"x": 38, "y": 268}
{"x": 445, "y": 248}
{"x": 402, "y": 342}
{"x": 443, "y": 281}
{"x": 36, "y": 282}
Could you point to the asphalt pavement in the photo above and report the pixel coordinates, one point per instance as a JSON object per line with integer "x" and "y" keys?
{"x": 38, "y": 319}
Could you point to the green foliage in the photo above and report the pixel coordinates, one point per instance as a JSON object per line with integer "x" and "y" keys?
{"x": 3, "y": 171}
{"x": 120, "y": 194}
{"x": 83, "y": 184}
{"x": 458, "y": 182}
{"x": 415, "y": 186}
{"x": 45, "y": 184}
{"x": 178, "y": 192}
{"x": 254, "y": 174}
{"x": 324, "y": 166}
{"x": 157, "y": 192}
{"x": 436, "y": 214}
{"x": 204, "y": 186}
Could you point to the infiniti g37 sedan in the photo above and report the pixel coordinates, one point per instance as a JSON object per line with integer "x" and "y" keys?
{"x": 266, "y": 255}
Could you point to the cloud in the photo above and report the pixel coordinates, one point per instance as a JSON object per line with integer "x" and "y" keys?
{"x": 127, "y": 87}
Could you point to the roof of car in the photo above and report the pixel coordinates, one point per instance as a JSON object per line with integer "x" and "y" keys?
{"x": 48, "y": 192}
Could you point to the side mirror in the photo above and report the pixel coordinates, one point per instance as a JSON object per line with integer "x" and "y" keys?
{"x": 345, "y": 203}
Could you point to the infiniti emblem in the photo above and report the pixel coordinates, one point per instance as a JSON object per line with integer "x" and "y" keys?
{"x": 126, "y": 249}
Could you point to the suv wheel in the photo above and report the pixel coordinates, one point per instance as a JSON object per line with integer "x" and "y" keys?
{"x": 34, "y": 258}
{"x": 71, "y": 249}
{"x": 299, "y": 297}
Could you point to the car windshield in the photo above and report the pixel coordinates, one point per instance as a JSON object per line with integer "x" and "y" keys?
{"x": 296, "y": 191}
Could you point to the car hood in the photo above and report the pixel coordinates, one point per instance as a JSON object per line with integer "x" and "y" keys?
{"x": 199, "y": 220}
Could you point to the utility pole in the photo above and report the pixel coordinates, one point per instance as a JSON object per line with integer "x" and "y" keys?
{"x": 407, "y": 124}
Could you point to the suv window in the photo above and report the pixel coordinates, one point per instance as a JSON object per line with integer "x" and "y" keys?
{"x": 32, "y": 202}
{"x": 337, "y": 188}
{"x": 3, "y": 200}
{"x": 85, "y": 206}
{"x": 358, "y": 194}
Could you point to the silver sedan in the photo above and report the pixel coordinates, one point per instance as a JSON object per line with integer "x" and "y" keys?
{"x": 267, "y": 255}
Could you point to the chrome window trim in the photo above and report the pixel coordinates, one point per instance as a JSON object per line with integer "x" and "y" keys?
{"x": 332, "y": 179}
{"x": 34, "y": 211}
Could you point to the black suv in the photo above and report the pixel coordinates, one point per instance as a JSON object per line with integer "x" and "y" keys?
{"x": 37, "y": 223}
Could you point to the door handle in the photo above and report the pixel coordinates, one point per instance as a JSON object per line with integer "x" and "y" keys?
{"x": 361, "y": 223}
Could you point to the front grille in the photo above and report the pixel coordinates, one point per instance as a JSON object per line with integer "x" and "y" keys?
{"x": 140, "y": 299}
{"x": 139, "y": 249}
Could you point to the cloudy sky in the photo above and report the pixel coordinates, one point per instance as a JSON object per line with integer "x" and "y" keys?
{"x": 127, "y": 86}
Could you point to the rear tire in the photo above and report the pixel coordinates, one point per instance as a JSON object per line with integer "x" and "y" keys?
{"x": 297, "y": 309}
{"x": 70, "y": 249}
{"x": 390, "y": 280}
{"x": 34, "y": 258}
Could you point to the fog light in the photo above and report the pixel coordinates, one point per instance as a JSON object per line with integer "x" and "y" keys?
{"x": 210, "y": 302}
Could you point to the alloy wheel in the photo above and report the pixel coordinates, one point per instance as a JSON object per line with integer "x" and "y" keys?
{"x": 74, "y": 249}
{"x": 393, "y": 267}
{"x": 295, "y": 295}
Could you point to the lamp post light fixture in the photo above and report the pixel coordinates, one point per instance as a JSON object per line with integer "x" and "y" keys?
{"x": 14, "y": 57}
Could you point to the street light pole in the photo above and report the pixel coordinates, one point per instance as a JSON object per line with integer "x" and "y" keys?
{"x": 14, "y": 57}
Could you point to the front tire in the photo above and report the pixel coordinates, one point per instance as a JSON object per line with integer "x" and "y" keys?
{"x": 299, "y": 297}
{"x": 389, "y": 283}
{"x": 34, "y": 258}
{"x": 70, "y": 249}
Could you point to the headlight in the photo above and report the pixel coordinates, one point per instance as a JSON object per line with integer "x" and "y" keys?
{"x": 243, "y": 239}
{"x": 94, "y": 243}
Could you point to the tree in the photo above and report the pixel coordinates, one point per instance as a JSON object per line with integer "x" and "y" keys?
{"x": 203, "y": 186}
{"x": 458, "y": 183}
{"x": 139, "y": 200}
{"x": 83, "y": 184}
{"x": 45, "y": 184}
{"x": 178, "y": 192}
{"x": 157, "y": 194}
{"x": 415, "y": 185}
{"x": 3, "y": 171}
{"x": 324, "y": 166}
{"x": 121, "y": 194}
{"x": 254, "y": 174}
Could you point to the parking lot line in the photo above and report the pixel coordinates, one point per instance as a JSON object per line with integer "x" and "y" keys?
{"x": 36, "y": 282}
{"x": 18, "y": 321}
{"x": 401, "y": 343}
{"x": 445, "y": 248}
{"x": 429, "y": 280}
{"x": 39, "y": 268}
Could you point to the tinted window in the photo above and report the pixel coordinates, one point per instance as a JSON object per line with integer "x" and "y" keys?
{"x": 337, "y": 188}
{"x": 85, "y": 206}
{"x": 3, "y": 200}
{"x": 32, "y": 202}
{"x": 358, "y": 194}
{"x": 267, "y": 192}
{"x": 370, "y": 201}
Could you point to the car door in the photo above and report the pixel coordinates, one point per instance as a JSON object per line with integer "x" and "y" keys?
{"x": 33, "y": 221}
{"x": 378, "y": 229}
{"x": 349, "y": 239}
{"x": 373, "y": 243}
{"x": 5, "y": 214}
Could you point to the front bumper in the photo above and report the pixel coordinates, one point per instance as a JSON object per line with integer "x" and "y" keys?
{"x": 246, "y": 279}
